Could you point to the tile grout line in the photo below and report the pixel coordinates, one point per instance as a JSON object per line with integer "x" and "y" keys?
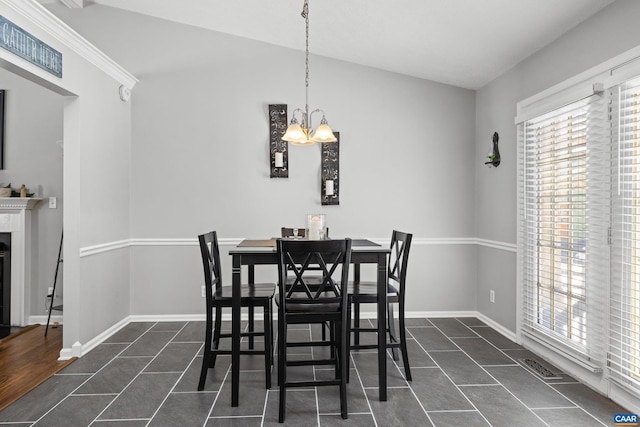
{"x": 533, "y": 375}
{"x": 447, "y": 375}
{"x": 91, "y": 376}
{"x": 141, "y": 371}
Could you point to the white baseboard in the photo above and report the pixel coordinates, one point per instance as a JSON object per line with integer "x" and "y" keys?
{"x": 227, "y": 316}
{"x": 78, "y": 349}
{"x": 175, "y": 317}
{"x": 42, "y": 320}
{"x": 497, "y": 327}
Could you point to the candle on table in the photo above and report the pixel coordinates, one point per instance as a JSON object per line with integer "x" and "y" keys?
{"x": 314, "y": 228}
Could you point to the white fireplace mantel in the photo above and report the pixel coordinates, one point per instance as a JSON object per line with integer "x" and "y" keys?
{"x": 15, "y": 218}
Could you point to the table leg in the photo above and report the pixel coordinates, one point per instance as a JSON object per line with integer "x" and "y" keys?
{"x": 235, "y": 329}
{"x": 251, "y": 277}
{"x": 382, "y": 326}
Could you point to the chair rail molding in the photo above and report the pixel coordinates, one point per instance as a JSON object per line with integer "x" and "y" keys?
{"x": 234, "y": 241}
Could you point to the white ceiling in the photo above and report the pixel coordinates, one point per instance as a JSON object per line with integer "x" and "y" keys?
{"x": 465, "y": 43}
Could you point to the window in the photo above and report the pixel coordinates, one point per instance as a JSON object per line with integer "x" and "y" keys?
{"x": 561, "y": 220}
{"x": 624, "y": 345}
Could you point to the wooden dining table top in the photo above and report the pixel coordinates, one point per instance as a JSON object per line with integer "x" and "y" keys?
{"x": 271, "y": 243}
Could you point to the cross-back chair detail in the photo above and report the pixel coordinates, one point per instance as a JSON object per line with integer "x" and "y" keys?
{"x": 366, "y": 293}
{"x": 218, "y": 297}
{"x": 301, "y": 301}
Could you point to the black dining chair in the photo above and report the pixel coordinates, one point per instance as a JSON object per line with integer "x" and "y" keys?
{"x": 301, "y": 302}
{"x": 219, "y": 297}
{"x": 366, "y": 293}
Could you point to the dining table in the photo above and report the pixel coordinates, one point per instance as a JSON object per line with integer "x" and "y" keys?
{"x": 252, "y": 252}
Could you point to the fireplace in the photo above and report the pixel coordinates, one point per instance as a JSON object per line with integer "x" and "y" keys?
{"x": 15, "y": 221}
{"x": 5, "y": 284}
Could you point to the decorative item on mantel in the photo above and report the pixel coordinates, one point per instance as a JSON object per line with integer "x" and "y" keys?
{"x": 494, "y": 154}
{"x": 278, "y": 149}
{"x": 7, "y": 191}
{"x": 316, "y": 227}
{"x": 330, "y": 177}
{"x": 300, "y": 133}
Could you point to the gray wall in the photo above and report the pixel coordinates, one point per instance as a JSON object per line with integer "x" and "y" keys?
{"x": 96, "y": 164}
{"x": 612, "y": 31}
{"x": 200, "y": 161}
{"x": 33, "y": 126}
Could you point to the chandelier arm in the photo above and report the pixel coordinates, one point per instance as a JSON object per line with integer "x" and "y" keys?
{"x": 297, "y": 110}
{"x": 317, "y": 110}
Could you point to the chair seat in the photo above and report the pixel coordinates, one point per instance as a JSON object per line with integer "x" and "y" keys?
{"x": 316, "y": 307}
{"x": 370, "y": 289}
{"x": 249, "y": 292}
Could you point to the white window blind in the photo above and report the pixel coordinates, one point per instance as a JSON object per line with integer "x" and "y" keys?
{"x": 564, "y": 210}
{"x": 624, "y": 312}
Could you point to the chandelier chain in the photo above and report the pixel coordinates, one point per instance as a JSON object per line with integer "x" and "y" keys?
{"x": 305, "y": 15}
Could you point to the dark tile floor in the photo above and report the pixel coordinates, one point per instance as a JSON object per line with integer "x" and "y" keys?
{"x": 464, "y": 374}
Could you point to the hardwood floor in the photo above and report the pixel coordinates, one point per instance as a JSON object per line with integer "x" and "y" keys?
{"x": 27, "y": 358}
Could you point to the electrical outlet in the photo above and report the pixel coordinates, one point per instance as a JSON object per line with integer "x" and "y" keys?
{"x": 50, "y": 291}
{"x": 492, "y": 296}
{"x": 204, "y": 292}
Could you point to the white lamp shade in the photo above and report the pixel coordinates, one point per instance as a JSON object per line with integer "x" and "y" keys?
{"x": 294, "y": 134}
{"x": 324, "y": 134}
{"x": 304, "y": 141}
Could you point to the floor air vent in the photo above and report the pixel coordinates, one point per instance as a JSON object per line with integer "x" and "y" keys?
{"x": 539, "y": 369}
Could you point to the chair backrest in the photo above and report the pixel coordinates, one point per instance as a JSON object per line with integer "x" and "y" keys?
{"x": 288, "y": 232}
{"x": 331, "y": 257}
{"x": 399, "y": 258}
{"x": 210, "y": 263}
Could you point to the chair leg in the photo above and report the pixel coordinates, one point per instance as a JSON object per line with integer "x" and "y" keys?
{"x": 267, "y": 344}
{"x": 332, "y": 339}
{"x": 251, "y": 328}
{"x": 336, "y": 351}
{"x": 403, "y": 344}
{"x": 356, "y": 323}
{"x": 392, "y": 330}
{"x": 216, "y": 337}
{"x": 344, "y": 368}
{"x": 348, "y": 341}
{"x": 271, "y": 332}
{"x": 282, "y": 365}
{"x": 207, "y": 353}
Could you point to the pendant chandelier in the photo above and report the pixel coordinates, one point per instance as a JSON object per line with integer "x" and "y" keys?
{"x": 300, "y": 133}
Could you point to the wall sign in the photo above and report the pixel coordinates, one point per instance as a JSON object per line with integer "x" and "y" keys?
{"x": 18, "y": 41}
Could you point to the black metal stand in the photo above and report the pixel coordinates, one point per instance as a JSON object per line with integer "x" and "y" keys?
{"x": 53, "y": 292}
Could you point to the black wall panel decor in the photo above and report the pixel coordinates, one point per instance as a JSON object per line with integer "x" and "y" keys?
{"x": 278, "y": 149}
{"x": 330, "y": 177}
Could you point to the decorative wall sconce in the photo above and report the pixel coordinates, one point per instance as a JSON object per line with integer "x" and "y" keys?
{"x": 494, "y": 154}
{"x": 330, "y": 176}
{"x": 278, "y": 149}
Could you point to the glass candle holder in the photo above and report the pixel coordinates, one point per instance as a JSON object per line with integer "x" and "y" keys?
{"x": 316, "y": 226}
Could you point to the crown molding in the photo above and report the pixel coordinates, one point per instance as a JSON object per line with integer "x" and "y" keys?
{"x": 39, "y": 16}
